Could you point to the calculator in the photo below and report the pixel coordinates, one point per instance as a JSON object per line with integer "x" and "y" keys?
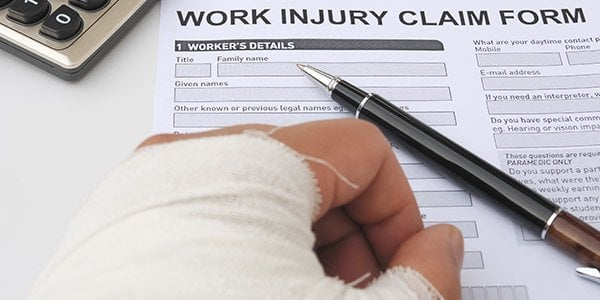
{"x": 65, "y": 37}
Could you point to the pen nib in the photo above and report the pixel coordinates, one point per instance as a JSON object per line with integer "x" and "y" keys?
{"x": 319, "y": 76}
{"x": 592, "y": 274}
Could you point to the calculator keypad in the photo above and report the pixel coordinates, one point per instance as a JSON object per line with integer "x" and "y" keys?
{"x": 54, "y": 23}
{"x": 66, "y": 37}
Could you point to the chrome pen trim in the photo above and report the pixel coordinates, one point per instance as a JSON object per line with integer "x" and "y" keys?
{"x": 362, "y": 104}
{"x": 549, "y": 223}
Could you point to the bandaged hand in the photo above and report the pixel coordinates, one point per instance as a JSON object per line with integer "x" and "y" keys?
{"x": 318, "y": 210}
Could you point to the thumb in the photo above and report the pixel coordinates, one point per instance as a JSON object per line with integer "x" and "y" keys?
{"x": 437, "y": 253}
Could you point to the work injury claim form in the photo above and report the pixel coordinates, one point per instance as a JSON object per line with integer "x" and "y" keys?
{"x": 517, "y": 83}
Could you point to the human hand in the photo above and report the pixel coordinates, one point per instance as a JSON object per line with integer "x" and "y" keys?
{"x": 371, "y": 228}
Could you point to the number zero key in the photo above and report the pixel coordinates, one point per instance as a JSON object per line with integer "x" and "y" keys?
{"x": 63, "y": 24}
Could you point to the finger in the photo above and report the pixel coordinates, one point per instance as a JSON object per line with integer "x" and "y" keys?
{"x": 383, "y": 205}
{"x": 343, "y": 249}
{"x": 437, "y": 254}
{"x": 354, "y": 148}
{"x": 387, "y": 210}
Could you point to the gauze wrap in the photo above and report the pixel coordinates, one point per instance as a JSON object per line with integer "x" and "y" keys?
{"x": 213, "y": 218}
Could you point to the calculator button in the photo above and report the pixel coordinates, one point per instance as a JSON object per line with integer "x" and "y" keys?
{"x": 28, "y": 11}
{"x": 4, "y": 3}
{"x": 89, "y": 4}
{"x": 63, "y": 24}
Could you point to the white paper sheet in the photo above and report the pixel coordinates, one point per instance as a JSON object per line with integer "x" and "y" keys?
{"x": 517, "y": 83}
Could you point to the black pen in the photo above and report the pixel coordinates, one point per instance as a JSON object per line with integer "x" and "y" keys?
{"x": 552, "y": 223}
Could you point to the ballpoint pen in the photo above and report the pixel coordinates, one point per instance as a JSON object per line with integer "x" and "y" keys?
{"x": 553, "y": 224}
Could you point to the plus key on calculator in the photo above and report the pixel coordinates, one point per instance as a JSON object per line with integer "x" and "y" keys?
{"x": 65, "y": 36}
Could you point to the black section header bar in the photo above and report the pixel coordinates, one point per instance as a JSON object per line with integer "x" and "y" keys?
{"x": 307, "y": 44}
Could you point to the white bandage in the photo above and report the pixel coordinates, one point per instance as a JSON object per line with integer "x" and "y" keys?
{"x": 213, "y": 218}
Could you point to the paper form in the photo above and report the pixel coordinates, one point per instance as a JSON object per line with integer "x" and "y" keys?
{"x": 518, "y": 84}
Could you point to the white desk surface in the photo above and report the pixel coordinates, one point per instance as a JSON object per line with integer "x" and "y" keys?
{"x": 59, "y": 139}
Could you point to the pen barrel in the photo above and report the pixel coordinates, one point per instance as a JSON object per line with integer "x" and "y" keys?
{"x": 576, "y": 237}
{"x": 458, "y": 163}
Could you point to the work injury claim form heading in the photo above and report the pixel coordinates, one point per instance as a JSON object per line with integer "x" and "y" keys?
{"x": 516, "y": 83}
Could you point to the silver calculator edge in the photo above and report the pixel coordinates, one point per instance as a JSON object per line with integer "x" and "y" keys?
{"x": 71, "y": 62}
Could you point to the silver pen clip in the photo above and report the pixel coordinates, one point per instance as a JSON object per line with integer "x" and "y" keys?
{"x": 592, "y": 274}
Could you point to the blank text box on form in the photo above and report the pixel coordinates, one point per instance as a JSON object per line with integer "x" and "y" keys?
{"x": 192, "y": 70}
{"x": 249, "y": 94}
{"x": 216, "y": 119}
{"x": 543, "y": 140}
{"x": 443, "y": 199}
{"x": 584, "y": 57}
{"x": 467, "y": 228}
{"x": 349, "y": 69}
{"x": 541, "y": 82}
{"x": 266, "y": 94}
{"x": 502, "y": 292}
{"x": 529, "y": 234}
{"x": 478, "y": 293}
{"x": 531, "y": 59}
{"x": 507, "y": 292}
{"x": 436, "y": 118}
{"x": 542, "y": 107}
{"x": 419, "y": 171}
{"x": 434, "y": 93}
{"x": 473, "y": 260}
{"x": 493, "y": 293}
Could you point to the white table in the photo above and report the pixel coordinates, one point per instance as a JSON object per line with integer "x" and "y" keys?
{"x": 59, "y": 139}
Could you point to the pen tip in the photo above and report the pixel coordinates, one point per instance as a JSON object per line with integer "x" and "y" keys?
{"x": 320, "y": 77}
{"x": 589, "y": 273}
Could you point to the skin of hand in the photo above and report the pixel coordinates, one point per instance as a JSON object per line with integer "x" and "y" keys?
{"x": 374, "y": 227}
